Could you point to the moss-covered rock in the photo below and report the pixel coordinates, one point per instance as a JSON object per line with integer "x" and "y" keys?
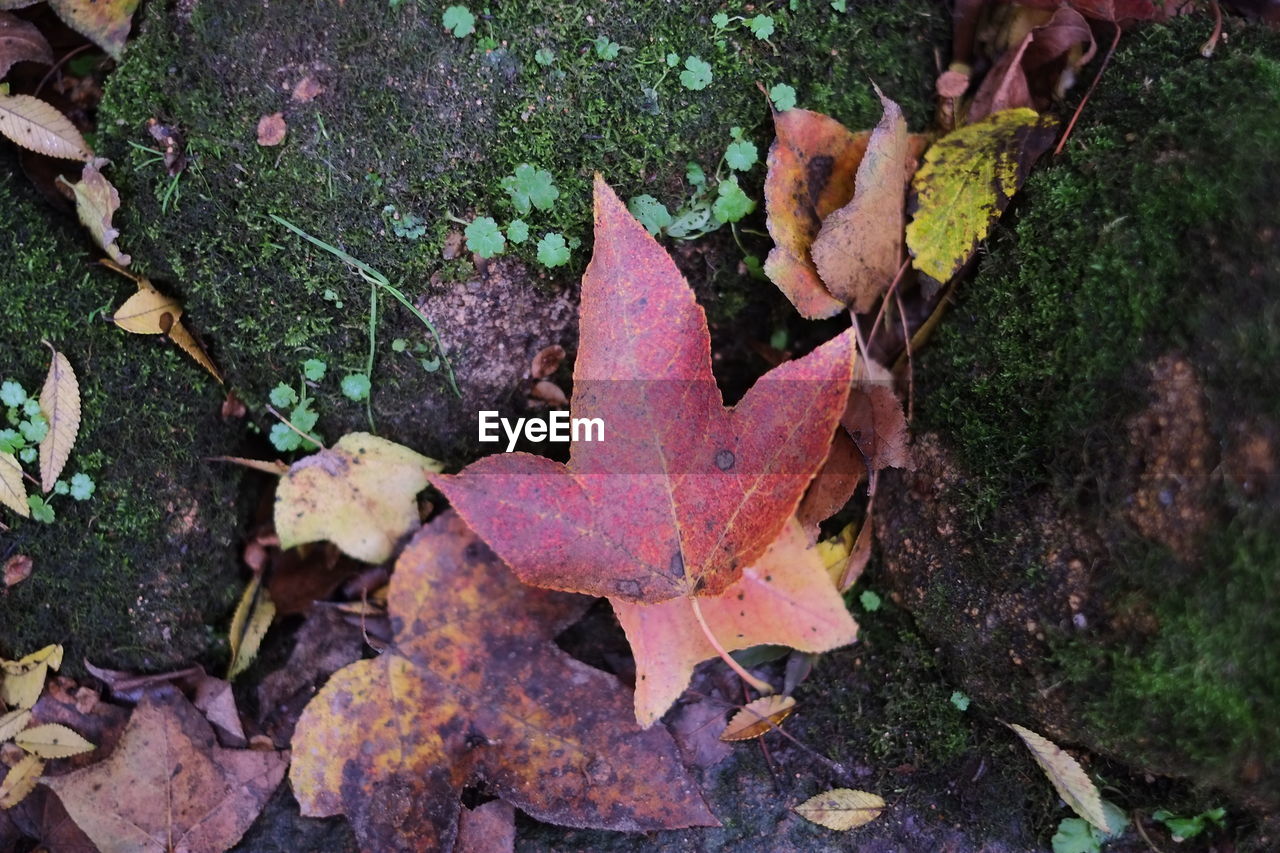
{"x": 1091, "y": 531}
{"x": 142, "y": 574}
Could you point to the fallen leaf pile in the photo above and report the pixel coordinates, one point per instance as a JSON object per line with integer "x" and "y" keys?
{"x": 472, "y": 690}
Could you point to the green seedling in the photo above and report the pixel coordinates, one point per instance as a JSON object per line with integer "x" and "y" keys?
{"x": 606, "y": 49}
{"x": 531, "y": 187}
{"x": 960, "y": 700}
{"x": 484, "y": 237}
{"x": 517, "y": 231}
{"x": 172, "y": 191}
{"x": 651, "y": 213}
{"x": 869, "y": 600}
{"x": 1182, "y": 828}
{"x": 783, "y": 97}
{"x": 544, "y": 56}
{"x": 356, "y": 387}
{"x": 553, "y": 251}
{"x": 407, "y": 225}
{"x": 459, "y": 21}
{"x": 696, "y": 74}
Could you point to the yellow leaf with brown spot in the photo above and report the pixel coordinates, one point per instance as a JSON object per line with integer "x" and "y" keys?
{"x": 96, "y": 203}
{"x": 13, "y": 722}
{"x": 60, "y": 403}
{"x": 104, "y": 22}
{"x": 52, "y": 741}
{"x": 249, "y": 625}
{"x": 1067, "y": 776}
{"x": 758, "y": 717}
{"x": 147, "y": 312}
{"x": 20, "y": 781}
{"x": 38, "y": 126}
{"x": 13, "y": 491}
{"x": 967, "y": 180}
{"x": 360, "y": 495}
{"x": 841, "y": 809}
{"x": 475, "y": 692}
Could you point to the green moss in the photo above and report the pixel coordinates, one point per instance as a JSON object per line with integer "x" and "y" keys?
{"x": 142, "y": 574}
{"x": 417, "y": 118}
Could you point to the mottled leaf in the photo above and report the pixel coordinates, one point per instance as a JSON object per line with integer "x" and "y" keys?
{"x": 104, "y": 22}
{"x": 681, "y": 494}
{"x": 1067, "y": 776}
{"x": 859, "y": 247}
{"x": 96, "y": 203}
{"x": 20, "y": 41}
{"x": 966, "y": 182}
{"x": 757, "y": 717}
{"x": 360, "y": 495}
{"x": 60, "y": 402}
{"x": 35, "y": 125}
{"x": 786, "y": 598}
{"x": 474, "y": 692}
{"x": 168, "y": 785}
{"x": 841, "y": 809}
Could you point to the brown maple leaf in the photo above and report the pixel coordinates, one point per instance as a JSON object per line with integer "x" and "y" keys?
{"x": 168, "y": 785}
{"x": 473, "y": 690}
{"x": 681, "y": 494}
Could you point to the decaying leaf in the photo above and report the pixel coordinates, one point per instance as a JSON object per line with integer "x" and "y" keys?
{"x": 38, "y": 126}
{"x": 489, "y": 828}
{"x": 52, "y": 741}
{"x": 104, "y": 22}
{"x": 249, "y": 625}
{"x": 878, "y": 427}
{"x": 786, "y": 598}
{"x": 21, "y": 41}
{"x": 13, "y": 491}
{"x": 966, "y": 182}
{"x": 272, "y": 129}
{"x": 96, "y": 203}
{"x": 13, "y": 722}
{"x": 360, "y": 495}
{"x": 60, "y": 403}
{"x": 683, "y": 493}
{"x": 474, "y": 691}
{"x": 17, "y": 568}
{"x": 859, "y": 247}
{"x": 813, "y": 164}
{"x": 841, "y": 809}
{"x": 20, "y": 781}
{"x": 757, "y": 717}
{"x": 168, "y": 785}
{"x": 22, "y": 680}
{"x": 150, "y": 312}
{"x": 833, "y": 486}
{"x": 1067, "y": 776}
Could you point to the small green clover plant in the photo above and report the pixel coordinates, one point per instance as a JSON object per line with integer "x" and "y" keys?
{"x": 531, "y": 187}
{"x": 484, "y": 237}
{"x": 544, "y": 56}
{"x": 606, "y": 49}
{"x": 1182, "y": 828}
{"x": 553, "y": 251}
{"x": 517, "y": 231}
{"x": 960, "y": 700}
{"x": 407, "y": 225}
{"x": 356, "y": 387}
{"x": 459, "y": 21}
{"x": 696, "y": 75}
{"x": 783, "y": 97}
{"x": 28, "y": 426}
{"x": 301, "y": 412}
{"x": 869, "y": 600}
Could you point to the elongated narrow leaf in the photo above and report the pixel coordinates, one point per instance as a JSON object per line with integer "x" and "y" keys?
{"x": 13, "y": 722}
{"x": 13, "y": 492}
{"x": 60, "y": 402}
{"x": 52, "y": 741}
{"x": 96, "y": 203}
{"x": 1067, "y": 776}
{"x": 20, "y": 781}
{"x": 841, "y": 809}
{"x": 758, "y": 717}
{"x": 181, "y": 336}
{"x": 33, "y": 124}
{"x": 248, "y": 626}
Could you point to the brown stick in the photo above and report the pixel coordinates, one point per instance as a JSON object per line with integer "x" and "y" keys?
{"x": 1076, "y": 116}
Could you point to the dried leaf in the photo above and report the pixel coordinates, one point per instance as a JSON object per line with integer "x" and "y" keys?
{"x": 490, "y": 828}
{"x": 841, "y": 809}
{"x": 96, "y": 203}
{"x": 168, "y": 785}
{"x": 966, "y": 182}
{"x": 859, "y": 247}
{"x": 546, "y": 362}
{"x": 21, "y": 41}
{"x": 360, "y": 495}
{"x": 833, "y": 486}
{"x": 145, "y": 312}
{"x": 23, "y": 679}
{"x": 179, "y": 335}
{"x": 474, "y": 691}
{"x": 812, "y": 166}
{"x": 249, "y": 625}
{"x": 60, "y": 402}
{"x": 1067, "y": 776}
{"x": 683, "y": 493}
{"x": 878, "y": 427}
{"x": 52, "y": 741}
{"x": 17, "y": 568}
{"x": 785, "y": 599}
{"x": 758, "y": 717}
{"x": 272, "y": 129}
{"x": 38, "y": 126}
{"x": 13, "y": 491}
{"x": 13, "y": 722}
{"x": 104, "y": 22}
{"x": 307, "y": 89}
{"x": 1030, "y": 75}
{"x": 20, "y": 781}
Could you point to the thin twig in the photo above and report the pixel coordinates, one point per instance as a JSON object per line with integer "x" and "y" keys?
{"x": 1066, "y": 134}
{"x": 61, "y": 62}
{"x": 911, "y": 367}
{"x": 289, "y": 424}
{"x": 892, "y": 291}
{"x": 764, "y": 687}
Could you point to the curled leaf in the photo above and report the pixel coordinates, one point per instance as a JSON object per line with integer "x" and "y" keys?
{"x": 38, "y": 126}
{"x": 52, "y": 741}
{"x": 96, "y": 203}
{"x": 841, "y": 809}
{"x": 1067, "y": 776}
{"x": 966, "y": 182}
{"x": 60, "y": 402}
{"x": 249, "y": 625}
{"x": 758, "y": 717}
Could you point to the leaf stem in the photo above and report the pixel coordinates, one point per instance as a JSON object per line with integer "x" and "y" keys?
{"x": 763, "y": 687}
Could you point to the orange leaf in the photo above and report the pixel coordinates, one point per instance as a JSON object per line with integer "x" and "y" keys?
{"x": 756, "y": 718}
{"x": 474, "y": 691}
